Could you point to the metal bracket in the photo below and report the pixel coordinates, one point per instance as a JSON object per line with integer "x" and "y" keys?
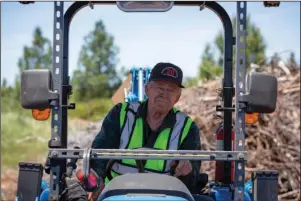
{"x": 240, "y": 72}
{"x": 219, "y": 108}
{"x": 202, "y": 6}
{"x": 271, "y": 3}
{"x": 91, "y": 5}
{"x": 26, "y": 2}
{"x": 68, "y": 88}
{"x": 70, "y": 107}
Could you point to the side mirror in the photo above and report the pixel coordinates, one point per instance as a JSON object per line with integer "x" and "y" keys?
{"x": 261, "y": 93}
{"x": 36, "y": 89}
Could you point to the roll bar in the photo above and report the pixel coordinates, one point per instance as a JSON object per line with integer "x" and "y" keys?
{"x": 59, "y": 136}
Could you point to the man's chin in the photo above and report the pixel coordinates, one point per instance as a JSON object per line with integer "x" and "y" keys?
{"x": 161, "y": 105}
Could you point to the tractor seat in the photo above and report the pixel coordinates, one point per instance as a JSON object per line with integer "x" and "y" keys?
{"x": 147, "y": 184}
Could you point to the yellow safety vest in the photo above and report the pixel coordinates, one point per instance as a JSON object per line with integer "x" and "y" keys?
{"x": 132, "y": 138}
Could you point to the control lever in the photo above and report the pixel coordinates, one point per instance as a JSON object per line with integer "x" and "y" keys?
{"x": 71, "y": 165}
{"x": 88, "y": 177}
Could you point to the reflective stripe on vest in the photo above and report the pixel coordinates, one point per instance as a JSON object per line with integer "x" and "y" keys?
{"x": 132, "y": 137}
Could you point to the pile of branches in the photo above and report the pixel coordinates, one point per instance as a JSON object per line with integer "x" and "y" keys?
{"x": 273, "y": 143}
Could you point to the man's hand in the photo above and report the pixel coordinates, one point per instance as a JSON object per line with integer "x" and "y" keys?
{"x": 92, "y": 196}
{"x": 183, "y": 168}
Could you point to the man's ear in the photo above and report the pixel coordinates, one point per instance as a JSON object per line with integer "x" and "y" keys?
{"x": 179, "y": 96}
{"x": 146, "y": 89}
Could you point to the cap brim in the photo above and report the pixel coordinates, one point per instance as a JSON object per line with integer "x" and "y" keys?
{"x": 167, "y": 79}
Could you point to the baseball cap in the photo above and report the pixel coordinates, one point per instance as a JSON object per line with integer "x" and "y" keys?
{"x": 168, "y": 72}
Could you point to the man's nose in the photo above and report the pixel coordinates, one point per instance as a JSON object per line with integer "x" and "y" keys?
{"x": 164, "y": 92}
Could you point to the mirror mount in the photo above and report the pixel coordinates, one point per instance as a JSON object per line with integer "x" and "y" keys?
{"x": 145, "y": 6}
{"x": 261, "y": 93}
{"x": 36, "y": 89}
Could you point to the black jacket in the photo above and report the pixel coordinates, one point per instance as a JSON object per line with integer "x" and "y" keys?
{"x": 109, "y": 138}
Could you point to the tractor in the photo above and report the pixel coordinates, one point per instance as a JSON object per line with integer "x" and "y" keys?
{"x": 47, "y": 93}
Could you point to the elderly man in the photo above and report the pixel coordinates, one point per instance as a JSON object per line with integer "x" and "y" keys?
{"x": 154, "y": 123}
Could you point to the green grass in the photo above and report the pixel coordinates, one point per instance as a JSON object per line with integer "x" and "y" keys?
{"x": 22, "y": 139}
{"x": 92, "y": 110}
{"x": 25, "y": 139}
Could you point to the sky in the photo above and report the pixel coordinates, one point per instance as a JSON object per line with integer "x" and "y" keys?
{"x": 144, "y": 39}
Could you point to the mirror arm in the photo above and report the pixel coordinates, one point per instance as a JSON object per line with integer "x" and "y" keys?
{"x": 53, "y": 96}
{"x": 243, "y": 101}
{"x": 243, "y": 98}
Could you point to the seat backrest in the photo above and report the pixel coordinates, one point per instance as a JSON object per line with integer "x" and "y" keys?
{"x": 146, "y": 183}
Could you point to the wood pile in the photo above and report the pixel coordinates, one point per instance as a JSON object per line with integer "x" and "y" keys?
{"x": 273, "y": 143}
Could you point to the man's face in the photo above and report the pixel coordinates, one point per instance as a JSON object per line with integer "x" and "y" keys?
{"x": 163, "y": 95}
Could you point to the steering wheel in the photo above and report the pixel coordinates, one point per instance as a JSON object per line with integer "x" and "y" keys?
{"x": 139, "y": 164}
